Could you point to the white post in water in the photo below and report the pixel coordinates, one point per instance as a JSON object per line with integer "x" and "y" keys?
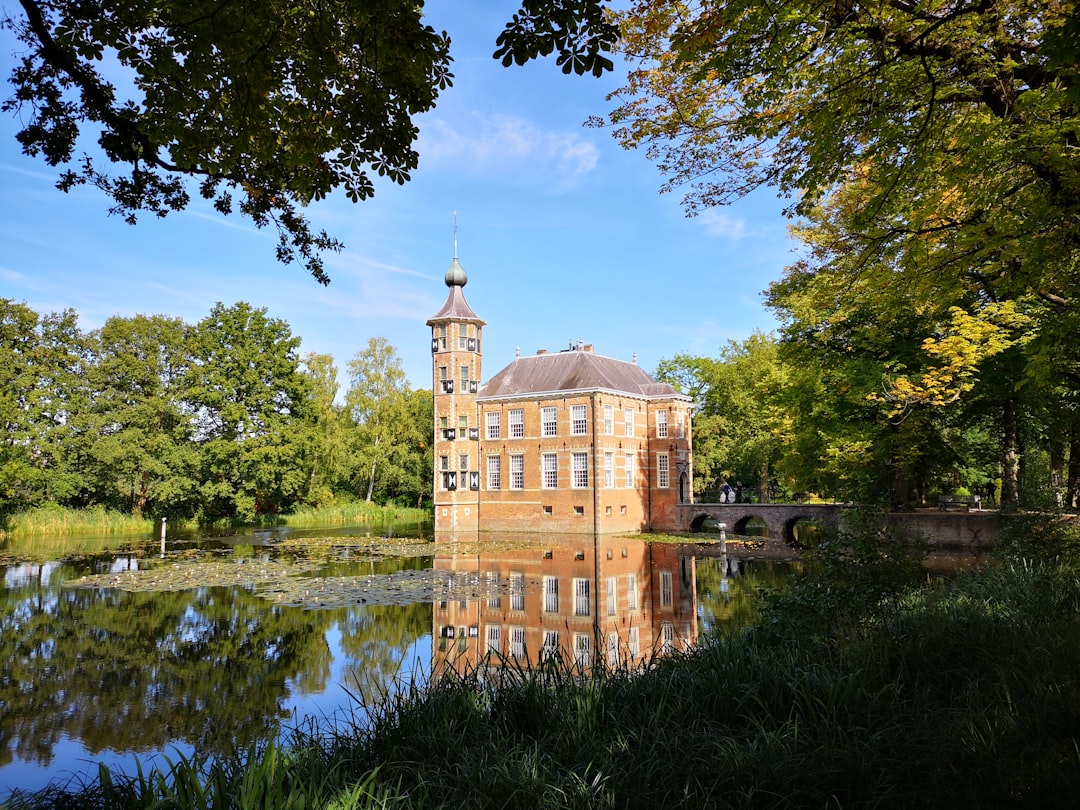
{"x": 723, "y": 537}
{"x": 163, "y": 537}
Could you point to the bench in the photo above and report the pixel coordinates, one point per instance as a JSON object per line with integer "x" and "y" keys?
{"x": 946, "y": 502}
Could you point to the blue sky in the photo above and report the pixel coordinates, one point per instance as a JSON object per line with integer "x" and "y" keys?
{"x": 563, "y": 234}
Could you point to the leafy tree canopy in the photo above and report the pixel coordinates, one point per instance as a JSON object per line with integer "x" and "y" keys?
{"x": 268, "y": 106}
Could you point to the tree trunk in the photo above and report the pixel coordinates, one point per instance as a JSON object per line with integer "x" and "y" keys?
{"x": 1072, "y": 490}
{"x": 374, "y": 463}
{"x": 763, "y": 483}
{"x": 1010, "y": 456}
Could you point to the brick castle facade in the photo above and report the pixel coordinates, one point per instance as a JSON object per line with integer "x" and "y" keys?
{"x": 569, "y": 442}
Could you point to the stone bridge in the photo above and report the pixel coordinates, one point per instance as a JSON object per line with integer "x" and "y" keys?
{"x": 779, "y": 517}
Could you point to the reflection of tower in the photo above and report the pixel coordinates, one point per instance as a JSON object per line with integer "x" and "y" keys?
{"x": 455, "y": 353}
{"x": 614, "y": 601}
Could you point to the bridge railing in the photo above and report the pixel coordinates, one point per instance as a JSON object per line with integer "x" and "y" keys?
{"x": 748, "y": 495}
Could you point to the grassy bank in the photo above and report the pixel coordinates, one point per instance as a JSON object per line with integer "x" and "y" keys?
{"x": 855, "y": 693}
{"x": 55, "y": 520}
{"x": 53, "y": 532}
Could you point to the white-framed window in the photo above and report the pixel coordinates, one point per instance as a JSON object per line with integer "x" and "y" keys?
{"x": 516, "y": 420}
{"x": 579, "y": 469}
{"x": 463, "y": 336}
{"x": 581, "y": 597}
{"x": 494, "y": 595}
{"x": 609, "y": 470}
{"x": 494, "y": 638}
{"x": 517, "y": 642}
{"x": 494, "y": 472}
{"x": 550, "y": 648}
{"x": 517, "y": 471}
{"x": 465, "y": 377}
{"x": 550, "y": 464}
{"x": 551, "y": 594}
{"x": 579, "y": 420}
{"x": 667, "y": 638}
{"x": 634, "y": 642}
{"x": 493, "y": 420}
{"x": 628, "y": 421}
{"x": 612, "y": 595}
{"x": 663, "y": 471}
{"x": 463, "y": 425}
{"x": 631, "y": 591}
{"x": 517, "y": 591}
{"x": 463, "y": 462}
{"x": 630, "y": 472}
{"x": 665, "y": 589}
{"x": 549, "y": 421}
{"x": 440, "y": 335}
{"x": 609, "y": 420}
{"x": 444, "y": 463}
{"x": 661, "y": 423}
{"x": 582, "y": 650}
{"x": 613, "y": 648}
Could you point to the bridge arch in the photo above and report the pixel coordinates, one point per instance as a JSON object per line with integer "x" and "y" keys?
{"x": 781, "y": 519}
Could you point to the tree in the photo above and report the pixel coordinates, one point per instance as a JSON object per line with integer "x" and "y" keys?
{"x": 42, "y": 386}
{"x": 740, "y": 420}
{"x": 268, "y": 106}
{"x": 135, "y": 438}
{"x": 18, "y": 349}
{"x": 326, "y": 457}
{"x": 246, "y": 394}
{"x": 389, "y": 441}
{"x": 930, "y": 147}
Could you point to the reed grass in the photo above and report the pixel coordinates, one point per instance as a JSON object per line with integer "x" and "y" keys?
{"x": 53, "y": 521}
{"x": 62, "y": 530}
{"x": 352, "y": 513}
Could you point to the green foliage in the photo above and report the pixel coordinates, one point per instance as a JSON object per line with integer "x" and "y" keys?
{"x": 930, "y": 152}
{"x": 245, "y": 391}
{"x": 740, "y": 420}
{"x": 578, "y": 29}
{"x": 388, "y": 428}
{"x": 217, "y": 422}
{"x": 267, "y": 107}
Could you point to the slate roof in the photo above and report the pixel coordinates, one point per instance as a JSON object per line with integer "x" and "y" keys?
{"x": 572, "y": 370}
{"x": 456, "y": 308}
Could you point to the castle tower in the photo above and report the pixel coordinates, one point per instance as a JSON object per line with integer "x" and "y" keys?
{"x": 455, "y": 365}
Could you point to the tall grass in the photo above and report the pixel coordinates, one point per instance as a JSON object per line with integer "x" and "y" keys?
{"x": 352, "y": 513}
{"x": 55, "y": 521}
{"x": 59, "y": 525}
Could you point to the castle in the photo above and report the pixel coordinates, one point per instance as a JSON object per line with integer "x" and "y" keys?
{"x": 570, "y": 442}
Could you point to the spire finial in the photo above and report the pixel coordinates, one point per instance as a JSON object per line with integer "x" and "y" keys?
{"x": 455, "y": 276}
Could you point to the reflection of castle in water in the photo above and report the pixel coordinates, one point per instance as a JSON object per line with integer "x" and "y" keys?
{"x": 576, "y": 598}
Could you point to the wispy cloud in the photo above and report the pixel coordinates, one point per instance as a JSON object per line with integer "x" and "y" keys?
{"x": 722, "y": 226}
{"x": 486, "y": 144}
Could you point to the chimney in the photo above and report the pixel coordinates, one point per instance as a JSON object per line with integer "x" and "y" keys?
{"x": 588, "y": 348}
{"x": 541, "y": 351}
